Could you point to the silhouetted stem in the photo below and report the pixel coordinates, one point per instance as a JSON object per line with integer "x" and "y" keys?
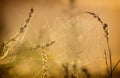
{"x": 105, "y": 28}
{"x": 22, "y": 29}
{"x": 106, "y": 61}
{"x": 115, "y": 66}
{"x": 110, "y": 57}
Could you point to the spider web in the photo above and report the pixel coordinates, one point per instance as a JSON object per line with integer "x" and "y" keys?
{"x": 80, "y": 38}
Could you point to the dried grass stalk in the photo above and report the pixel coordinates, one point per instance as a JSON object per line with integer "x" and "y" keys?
{"x": 106, "y": 61}
{"x": 4, "y": 45}
{"x": 44, "y": 58}
{"x": 105, "y": 29}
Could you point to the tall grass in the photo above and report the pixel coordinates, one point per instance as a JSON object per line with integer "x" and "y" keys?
{"x": 5, "y": 45}
{"x": 22, "y": 29}
{"x": 105, "y": 29}
{"x": 44, "y": 58}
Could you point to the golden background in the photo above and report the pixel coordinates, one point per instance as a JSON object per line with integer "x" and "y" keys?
{"x": 15, "y": 12}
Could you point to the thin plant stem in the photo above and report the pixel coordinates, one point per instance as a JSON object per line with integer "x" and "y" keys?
{"x": 44, "y": 58}
{"x": 106, "y": 61}
{"x": 110, "y": 57}
{"x": 4, "y": 45}
{"x": 22, "y": 29}
{"x": 115, "y": 66}
{"x": 105, "y": 29}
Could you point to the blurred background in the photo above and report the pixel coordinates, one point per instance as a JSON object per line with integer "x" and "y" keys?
{"x": 44, "y": 28}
